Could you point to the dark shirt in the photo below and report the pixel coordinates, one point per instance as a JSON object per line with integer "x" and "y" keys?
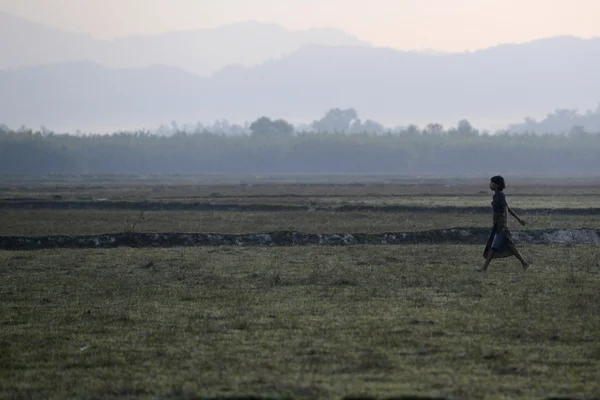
{"x": 499, "y": 202}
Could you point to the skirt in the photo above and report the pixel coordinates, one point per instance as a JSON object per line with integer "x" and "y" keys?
{"x": 501, "y": 242}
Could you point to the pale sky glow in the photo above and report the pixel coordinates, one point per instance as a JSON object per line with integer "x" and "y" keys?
{"x": 448, "y": 25}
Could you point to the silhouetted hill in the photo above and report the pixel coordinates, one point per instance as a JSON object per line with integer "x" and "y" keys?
{"x": 87, "y": 95}
{"x": 494, "y": 86}
{"x": 25, "y": 43}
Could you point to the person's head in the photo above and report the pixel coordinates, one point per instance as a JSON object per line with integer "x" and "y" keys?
{"x": 497, "y": 183}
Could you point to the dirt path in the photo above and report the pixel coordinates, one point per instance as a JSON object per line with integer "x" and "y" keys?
{"x": 196, "y": 206}
{"x": 288, "y": 238}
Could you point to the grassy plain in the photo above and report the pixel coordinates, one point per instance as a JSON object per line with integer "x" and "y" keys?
{"x": 298, "y": 322}
{"x": 93, "y": 222}
{"x": 290, "y": 189}
{"x": 309, "y": 322}
{"x": 425, "y": 195}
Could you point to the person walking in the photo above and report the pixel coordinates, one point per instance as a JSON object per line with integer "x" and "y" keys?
{"x": 500, "y": 243}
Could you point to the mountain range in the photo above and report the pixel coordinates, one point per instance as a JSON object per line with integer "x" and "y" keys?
{"x": 203, "y": 52}
{"x": 491, "y": 87}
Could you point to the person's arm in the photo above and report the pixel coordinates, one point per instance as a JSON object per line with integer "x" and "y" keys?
{"x": 511, "y": 212}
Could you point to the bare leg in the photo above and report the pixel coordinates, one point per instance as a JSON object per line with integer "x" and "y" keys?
{"x": 487, "y": 261}
{"x": 520, "y": 258}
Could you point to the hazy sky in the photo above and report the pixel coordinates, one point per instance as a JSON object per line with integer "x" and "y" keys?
{"x": 450, "y": 25}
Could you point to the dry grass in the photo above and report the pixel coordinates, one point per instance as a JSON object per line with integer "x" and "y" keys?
{"x": 298, "y": 322}
{"x": 310, "y": 322}
{"x": 465, "y": 194}
{"x": 481, "y": 200}
{"x": 285, "y": 190}
{"x": 92, "y": 222}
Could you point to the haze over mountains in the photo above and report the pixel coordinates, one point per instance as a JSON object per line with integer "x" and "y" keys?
{"x": 203, "y": 52}
{"x": 95, "y": 85}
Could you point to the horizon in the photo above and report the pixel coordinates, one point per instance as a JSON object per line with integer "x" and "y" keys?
{"x": 427, "y": 25}
{"x": 483, "y": 127}
{"x": 439, "y": 85}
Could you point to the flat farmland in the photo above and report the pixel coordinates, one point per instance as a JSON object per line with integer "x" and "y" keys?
{"x": 313, "y": 322}
{"x": 319, "y": 322}
{"x": 96, "y": 222}
{"x": 283, "y": 189}
{"x": 61, "y": 207}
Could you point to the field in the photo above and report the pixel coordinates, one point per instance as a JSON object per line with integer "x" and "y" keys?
{"x": 295, "y": 322}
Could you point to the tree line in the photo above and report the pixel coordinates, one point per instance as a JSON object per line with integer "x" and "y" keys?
{"x": 273, "y": 146}
{"x": 348, "y": 121}
{"x": 562, "y": 121}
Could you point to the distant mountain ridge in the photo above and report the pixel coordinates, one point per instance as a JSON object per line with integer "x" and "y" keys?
{"x": 496, "y": 86}
{"x": 203, "y": 52}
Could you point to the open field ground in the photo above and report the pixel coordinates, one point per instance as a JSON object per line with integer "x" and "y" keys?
{"x": 313, "y": 322}
{"x": 95, "y": 222}
{"x": 282, "y": 189}
{"x": 63, "y": 207}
